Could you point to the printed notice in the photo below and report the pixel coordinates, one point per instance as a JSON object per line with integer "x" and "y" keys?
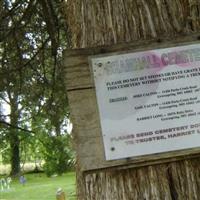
{"x": 149, "y": 102}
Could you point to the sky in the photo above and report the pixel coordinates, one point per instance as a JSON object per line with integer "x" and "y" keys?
{"x": 6, "y": 111}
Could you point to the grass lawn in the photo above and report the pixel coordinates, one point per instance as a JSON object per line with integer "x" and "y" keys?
{"x": 39, "y": 187}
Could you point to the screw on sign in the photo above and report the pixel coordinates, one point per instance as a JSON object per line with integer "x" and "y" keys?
{"x": 60, "y": 195}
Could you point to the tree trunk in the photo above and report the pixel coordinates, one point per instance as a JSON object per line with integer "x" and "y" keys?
{"x": 15, "y": 157}
{"x": 14, "y": 138}
{"x": 94, "y": 23}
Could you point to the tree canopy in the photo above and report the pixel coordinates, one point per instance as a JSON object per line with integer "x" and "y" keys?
{"x": 32, "y": 38}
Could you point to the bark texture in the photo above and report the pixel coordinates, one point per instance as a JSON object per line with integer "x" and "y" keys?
{"x": 14, "y": 137}
{"x": 103, "y": 22}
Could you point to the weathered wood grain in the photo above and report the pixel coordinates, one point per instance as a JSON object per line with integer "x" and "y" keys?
{"x": 85, "y": 116}
{"x": 93, "y": 23}
{"x": 76, "y": 60}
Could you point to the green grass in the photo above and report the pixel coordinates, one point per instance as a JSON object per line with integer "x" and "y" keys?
{"x": 40, "y": 187}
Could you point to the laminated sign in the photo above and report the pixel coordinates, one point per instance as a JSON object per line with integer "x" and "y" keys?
{"x": 149, "y": 102}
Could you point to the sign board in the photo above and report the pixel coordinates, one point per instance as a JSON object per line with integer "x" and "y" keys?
{"x": 149, "y": 101}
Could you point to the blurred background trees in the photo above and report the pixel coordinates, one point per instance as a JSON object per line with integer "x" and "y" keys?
{"x": 34, "y": 117}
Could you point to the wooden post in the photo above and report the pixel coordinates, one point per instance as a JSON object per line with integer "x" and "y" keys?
{"x": 107, "y": 22}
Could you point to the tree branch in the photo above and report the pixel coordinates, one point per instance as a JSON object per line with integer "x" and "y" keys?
{"x": 4, "y": 99}
{"x": 15, "y": 127}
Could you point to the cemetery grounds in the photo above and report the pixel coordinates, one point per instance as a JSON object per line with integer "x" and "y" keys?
{"x": 40, "y": 187}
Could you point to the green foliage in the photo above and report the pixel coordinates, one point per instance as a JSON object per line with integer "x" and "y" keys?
{"x": 58, "y": 155}
{"x": 32, "y": 37}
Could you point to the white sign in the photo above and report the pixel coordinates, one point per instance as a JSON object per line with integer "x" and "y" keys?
{"x": 149, "y": 102}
